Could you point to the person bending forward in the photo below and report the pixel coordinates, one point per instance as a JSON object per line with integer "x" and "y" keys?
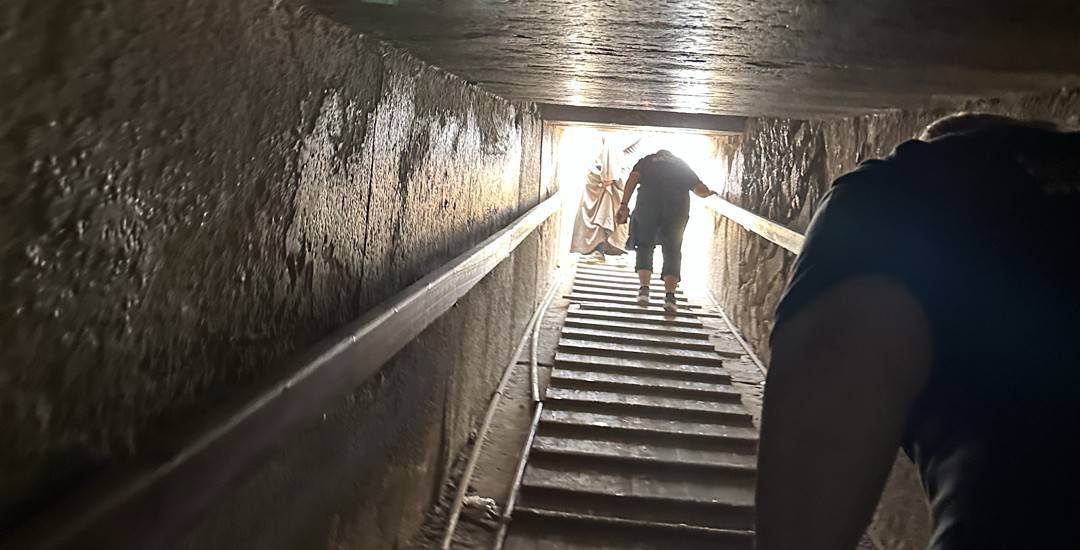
{"x": 660, "y": 217}
{"x": 934, "y": 306}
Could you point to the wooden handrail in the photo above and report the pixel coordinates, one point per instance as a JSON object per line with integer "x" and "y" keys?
{"x": 151, "y": 505}
{"x": 770, "y": 230}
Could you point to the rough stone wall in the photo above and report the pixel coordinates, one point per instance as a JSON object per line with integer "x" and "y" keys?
{"x": 366, "y": 476}
{"x": 780, "y": 169}
{"x": 190, "y": 192}
{"x": 767, "y": 57}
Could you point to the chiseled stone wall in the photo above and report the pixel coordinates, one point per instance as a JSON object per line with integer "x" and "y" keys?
{"x": 780, "y": 169}
{"x": 192, "y": 191}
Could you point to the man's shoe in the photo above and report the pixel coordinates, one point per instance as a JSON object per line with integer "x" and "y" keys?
{"x": 669, "y": 303}
{"x": 643, "y": 296}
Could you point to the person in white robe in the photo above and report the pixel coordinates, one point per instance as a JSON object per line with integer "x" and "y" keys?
{"x": 595, "y": 230}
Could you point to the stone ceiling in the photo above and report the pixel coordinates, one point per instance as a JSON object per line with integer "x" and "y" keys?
{"x": 768, "y": 57}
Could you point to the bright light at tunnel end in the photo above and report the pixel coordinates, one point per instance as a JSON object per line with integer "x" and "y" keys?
{"x": 578, "y": 148}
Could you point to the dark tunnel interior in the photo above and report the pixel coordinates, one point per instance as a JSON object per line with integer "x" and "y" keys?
{"x": 276, "y": 274}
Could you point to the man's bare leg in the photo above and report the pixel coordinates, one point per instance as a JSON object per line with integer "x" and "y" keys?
{"x": 671, "y": 283}
{"x": 644, "y": 276}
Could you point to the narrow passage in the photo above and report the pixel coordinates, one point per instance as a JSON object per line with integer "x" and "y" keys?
{"x": 643, "y": 441}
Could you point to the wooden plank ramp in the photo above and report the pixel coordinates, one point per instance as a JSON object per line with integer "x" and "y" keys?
{"x": 642, "y": 443}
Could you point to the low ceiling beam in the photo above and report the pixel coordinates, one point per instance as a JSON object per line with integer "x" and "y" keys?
{"x": 573, "y": 114}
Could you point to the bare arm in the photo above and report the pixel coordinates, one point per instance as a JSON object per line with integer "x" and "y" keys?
{"x": 845, "y": 371}
{"x": 628, "y": 191}
{"x": 702, "y": 190}
{"x": 631, "y": 185}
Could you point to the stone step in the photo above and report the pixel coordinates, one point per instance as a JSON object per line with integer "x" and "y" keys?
{"x": 628, "y": 327}
{"x": 648, "y": 431}
{"x": 610, "y": 271}
{"x": 541, "y": 529}
{"x": 670, "y": 456}
{"x": 622, "y": 337}
{"x": 654, "y": 308}
{"x": 642, "y": 385}
{"x": 608, "y": 268}
{"x": 656, "y": 293}
{"x": 619, "y": 273}
{"x": 720, "y": 478}
{"x": 728, "y": 346}
{"x": 670, "y": 408}
{"x": 623, "y": 301}
{"x": 577, "y": 311}
{"x": 639, "y": 367}
{"x": 731, "y": 485}
{"x": 617, "y": 282}
{"x": 550, "y": 494}
{"x": 665, "y": 355}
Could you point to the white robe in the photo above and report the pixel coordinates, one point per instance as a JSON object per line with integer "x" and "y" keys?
{"x": 595, "y": 226}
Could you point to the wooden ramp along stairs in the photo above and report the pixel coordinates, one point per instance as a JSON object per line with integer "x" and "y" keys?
{"x": 642, "y": 442}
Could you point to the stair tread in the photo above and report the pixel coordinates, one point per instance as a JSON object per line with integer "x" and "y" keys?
{"x": 642, "y": 451}
{"x": 621, "y": 272}
{"x": 622, "y": 292}
{"x": 675, "y": 427}
{"x": 673, "y": 403}
{"x": 615, "y": 278}
{"x": 581, "y": 361}
{"x": 617, "y": 282}
{"x": 544, "y": 512}
{"x": 654, "y": 308}
{"x": 608, "y": 267}
{"x": 628, "y": 327}
{"x": 611, "y": 271}
{"x": 638, "y": 316}
{"x": 663, "y": 354}
{"x": 636, "y": 339}
{"x": 639, "y": 507}
{"x": 645, "y": 383}
{"x": 543, "y": 529}
{"x": 627, "y": 298}
{"x": 685, "y": 486}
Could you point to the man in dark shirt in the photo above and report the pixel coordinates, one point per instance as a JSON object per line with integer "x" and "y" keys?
{"x": 660, "y": 216}
{"x": 935, "y": 306}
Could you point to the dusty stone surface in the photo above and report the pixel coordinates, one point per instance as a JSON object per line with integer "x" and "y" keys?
{"x": 780, "y": 169}
{"x": 498, "y": 457}
{"x": 370, "y": 474}
{"x": 792, "y": 58}
{"x": 191, "y": 192}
